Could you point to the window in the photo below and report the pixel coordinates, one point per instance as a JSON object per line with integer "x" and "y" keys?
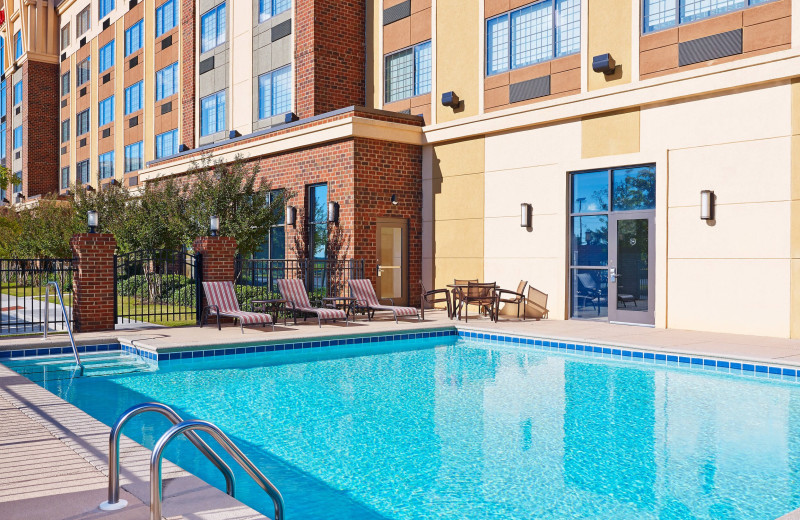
{"x": 84, "y": 72}
{"x": 65, "y": 37}
{"x": 82, "y": 172}
{"x": 82, "y": 22}
{"x": 274, "y": 93}
{"x": 317, "y": 212}
{"x": 65, "y": 130}
{"x": 133, "y": 38}
{"x": 82, "y": 123}
{"x": 106, "y": 57}
{"x": 538, "y": 32}
{"x": 3, "y": 98}
{"x": 274, "y": 248}
{"x": 212, "y": 113}
{"x": 133, "y": 98}
{"x": 65, "y": 83}
{"x": 408, "y": 72}
{"x": 133, "y": 157}
{"x": 167, "y": 81}
{"x": 17, "y": 92}
{"x": 2, "y": 54}
{"x": 18, "y": 186}
{"x": 212, "y": 28}
{"x": 17, "y": 137}
{"x": 105, "y": 111}
{"x": 269, "y": 8}
{"x": 662, "y": 14}
{"x": 167, "y": 144}
{"x": 166, "y": 17}
{"x": 65, "y": 177}
{"x": 18, "y": 45}
{"x": 106, "y": 165}
{"x": 106, "y": 6}
{"x": 3, "y": 141}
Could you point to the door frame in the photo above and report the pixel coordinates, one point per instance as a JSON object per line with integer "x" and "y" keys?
{"x": 402, "y": 223}
{"x": 622, "y": 316}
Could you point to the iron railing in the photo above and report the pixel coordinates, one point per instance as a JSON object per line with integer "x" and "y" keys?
{"x": 22, "y": 294}
{"x": 159, "y": 286}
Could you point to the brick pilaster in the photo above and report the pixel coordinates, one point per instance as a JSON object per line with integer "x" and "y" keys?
{"x": 93, "y": 286}
{"x": 219, "y": 254}
{"x": 188, "y": 49}
{"x": 40, "y": 127}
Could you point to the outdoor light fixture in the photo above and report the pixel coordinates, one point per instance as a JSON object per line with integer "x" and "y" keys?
{"x": 333, "y": 212}
{"x": 214, "y": 225}
{"x": 394, "y": 199}
{"x": 183, "y": 148}
{"x": 450, "y": 99}
{"x": 91, "y": 217}
{"x": 525, "y": 215}
{"x": 291, "y": 216}
{"x": 604, "y": 63}
{"x": 291, "y": 117}
{"x": 233, "y": 134}
{"x": 707, "y": 205}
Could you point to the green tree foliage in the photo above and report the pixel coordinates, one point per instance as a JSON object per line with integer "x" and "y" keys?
{"x": 7, "y": 179}
{"x": 43, "y": 230}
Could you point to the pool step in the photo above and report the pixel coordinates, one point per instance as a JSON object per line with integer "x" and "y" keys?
{"x": 63, "y": 366}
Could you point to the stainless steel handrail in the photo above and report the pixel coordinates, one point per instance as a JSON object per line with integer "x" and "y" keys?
{"x": 113, "y": 451}
{"x": 225, "y": 442}
{"x": 66, "y": 319}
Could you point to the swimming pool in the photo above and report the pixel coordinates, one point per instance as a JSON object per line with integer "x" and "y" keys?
{"x": 452, "y": 428}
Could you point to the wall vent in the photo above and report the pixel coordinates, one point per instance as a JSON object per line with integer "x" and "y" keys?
{"x": 166, "y": 42}
{"x": 106, "y": 133}
{"x": 397, "y": 12}
{"x": 133, "y": 121}
{"x": 207, "y": 65}
{"x": 166, "y": 108}
{"x": 133, "y": 62}
{"x": 282, "y": 30}
{"x": 530, "y": 89}
{"x": 710, "y": 47}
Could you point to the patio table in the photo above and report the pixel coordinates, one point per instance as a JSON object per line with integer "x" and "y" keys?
{"x": 272, "y": 306}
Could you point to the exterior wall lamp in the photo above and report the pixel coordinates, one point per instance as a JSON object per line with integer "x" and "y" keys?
{"x": 707, "y": 205}
{"x": 450, "y": 99}
{"x": 604, "y": 63}
{"x": 214, "y": 225}
{"x": 291, "y": 216}
{"x": 526, "y": 213}
{"x": 91, "y": 217}
{"x": 333, "y": 212}
{"x": 394, "y": 199}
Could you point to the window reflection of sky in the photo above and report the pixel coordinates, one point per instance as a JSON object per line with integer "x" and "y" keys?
{"x": 590, "y": 192}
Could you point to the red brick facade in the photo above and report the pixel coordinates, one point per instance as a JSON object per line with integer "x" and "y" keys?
{"x": 218, "y": 257}
{"x": 40, "y": 128}
{"x": 188, "y": 49}
{"x": 93, "y": 286}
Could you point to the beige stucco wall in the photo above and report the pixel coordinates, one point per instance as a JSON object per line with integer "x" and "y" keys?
{"x": 609, "y": 31}
{"x": 457, "y": 34}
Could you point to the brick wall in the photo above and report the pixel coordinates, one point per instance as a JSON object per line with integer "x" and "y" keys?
{"x": 40, "y": 127}
{"x": 188, "y": 47}
{"x": 93, "y": 286}
{"x": 218, "y": 257}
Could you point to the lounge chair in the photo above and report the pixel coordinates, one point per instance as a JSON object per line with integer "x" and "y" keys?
{"x": 535, "y": 304}
{"x": 516, "y": 297}
{"x": 294, "y": 292}
{"x": 483, "y": 295}
{"x": 221, "y": 301}
{"x": 366, "y": 298}
{"x": 430, "y": 298}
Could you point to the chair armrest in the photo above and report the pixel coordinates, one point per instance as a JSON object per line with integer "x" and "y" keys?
{"x": 391, "y": 301}
{"x": 500, "y": 293}
{"x": 215, "y": 307}
{"x": 437, "y": 291}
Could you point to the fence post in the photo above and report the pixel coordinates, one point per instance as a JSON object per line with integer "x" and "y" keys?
{"x": 93, "y": 286}
{"x": 219, "y": 258}
{"x": 198, "y": 286}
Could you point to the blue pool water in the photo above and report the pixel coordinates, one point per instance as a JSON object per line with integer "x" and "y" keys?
{"x": 446, "y": 428}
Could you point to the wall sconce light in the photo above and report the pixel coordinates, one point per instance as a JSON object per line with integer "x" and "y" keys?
{"x": 291, "y": 117}
{"x": 450, "y": 99}
{"x": 183, "y": 148}
{"x": 526, "y": 212}
{"x": 604, "y": 63}
{"x": 291, "y": 216}
{"x": 333, "y": 212}
{"x": 233, "y": 134}
{"x": 394, "y": 199}
{"x": 91, "y": 217}
{"x": 707, "y": 205}
{"x": 214, "y": 225}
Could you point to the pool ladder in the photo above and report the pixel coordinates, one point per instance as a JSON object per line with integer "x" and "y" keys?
{"x": 186, "y": 428}
{"x": 66, "y": 319}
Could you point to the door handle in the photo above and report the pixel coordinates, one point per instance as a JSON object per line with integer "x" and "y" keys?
{"x": 378, "y": 270}
{"x": 612, "y": 275}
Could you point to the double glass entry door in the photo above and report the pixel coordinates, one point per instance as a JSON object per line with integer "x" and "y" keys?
{"x": 612, "y": 245}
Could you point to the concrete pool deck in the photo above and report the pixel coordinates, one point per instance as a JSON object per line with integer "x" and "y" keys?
{"x": 53, "y": 456}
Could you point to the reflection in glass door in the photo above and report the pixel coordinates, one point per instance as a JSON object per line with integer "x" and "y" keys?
{"x": 611, "y": 226}
{"x": 392, "y": 270}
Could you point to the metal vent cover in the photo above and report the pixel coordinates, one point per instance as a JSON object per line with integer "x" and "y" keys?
{"x": 133, "y": 121}
{"x": 166, "y": 108}
{"x": 106, "y": 133}
{"x": 282, "y": 30}
{"x": 397, "y": 12}
{"x": 710, "y": 47}
{"x": 133, "y": 62}
{"x": 207, "y": 65}
{"x": 530, "y": 89}
{"x": 166, "y": 42}
{"x": 106, "y": 78}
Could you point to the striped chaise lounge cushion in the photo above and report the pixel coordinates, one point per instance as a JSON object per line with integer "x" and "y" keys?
{"x": 365, "y": 294}
{"x": 294, "y": 291}
{"x": 223, "y": 295}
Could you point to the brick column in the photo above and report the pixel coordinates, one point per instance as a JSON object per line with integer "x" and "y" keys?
{"x": 93, "y": 285}
{"x": 219, "y": 254}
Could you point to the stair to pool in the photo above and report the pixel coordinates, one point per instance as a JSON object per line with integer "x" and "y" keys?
{"x": 100, "y": 364}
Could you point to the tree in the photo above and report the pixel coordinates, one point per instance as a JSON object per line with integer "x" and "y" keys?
{"x": 8, "y": 179}
{"x": 45, "y": 229}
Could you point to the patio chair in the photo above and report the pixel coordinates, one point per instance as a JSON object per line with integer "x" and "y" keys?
{"x": 366, "y": 298}
{"x": 535, "y": 304}
{"x": 457, "y": 291}
{"x": 294, "y": 292}
{"x": 515, "y": 297}
{"x": 589, "y": 291}
{"x": 484, "y": 295}
{"x": 430, "y": 297}
{"x": 222, "y": 302}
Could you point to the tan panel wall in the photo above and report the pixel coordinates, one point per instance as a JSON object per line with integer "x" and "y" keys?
{"x": 119, "y": 100}
{"x": 374, "y": 53}
{"x": 609, "y": 28}
{"x": 610, "y": 134}
{"x": 149, "y": 84}
{"x": 240, "y": 91}
{"x": 457, "y": 57}
{"x": 794, "y": 309}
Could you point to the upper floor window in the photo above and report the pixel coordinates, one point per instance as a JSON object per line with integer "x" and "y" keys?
{"x": 106, "y": 165}
{"x": 133, "y": 38}
{"x": 212, "y": 28}
{"x": 3, "y": 98}
{"x": 106, "y": 6}
{"x": 65, "y": 130}
{"x": 274, "y": 93}
{"x": 82, "y": 22}
{"x": 662, "y": 14}
{"x": 17, "y": 137}
{"x": 106, "y": 59}
{"x": 167, "y": 81}
{"x": 166, "y": 17}
{"x": 105, "y": 111}
{"x": 82, "y": 174}
{"x": 18, "y": 186}
{"x": 2, "y": 54}
{"x": 18, "y": 45}
{"x": 408, "y": 72}
{"x": 269, "y": 8}
{"x": 65, "y": 177}
{"x": 65, "y": 37}
{"x": 3, "y": 141}
{"x": 134, "y": 98}
{"x": 65, "y": 83}
{"x": 212, "y": 113}
{"x": 538, "y": 32}
{"x": 167, "y": 144}
{"x": 17, "y": 93}
{"x": 134, "y": 157}
{"x": 82, "y": 123}
{"x": 84, "y": 72}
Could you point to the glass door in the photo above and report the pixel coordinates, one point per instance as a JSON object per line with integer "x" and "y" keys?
{"x": 392, "y": 273}
{"x": 630, "y": 276}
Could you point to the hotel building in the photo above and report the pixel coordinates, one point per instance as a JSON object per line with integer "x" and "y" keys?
{"x": 636, "y": 160}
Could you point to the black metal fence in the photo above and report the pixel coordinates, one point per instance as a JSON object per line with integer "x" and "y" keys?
{"x": 258, "y": 278}
{"x": 22, "y": 294}
{"x": 160, "y": 286}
